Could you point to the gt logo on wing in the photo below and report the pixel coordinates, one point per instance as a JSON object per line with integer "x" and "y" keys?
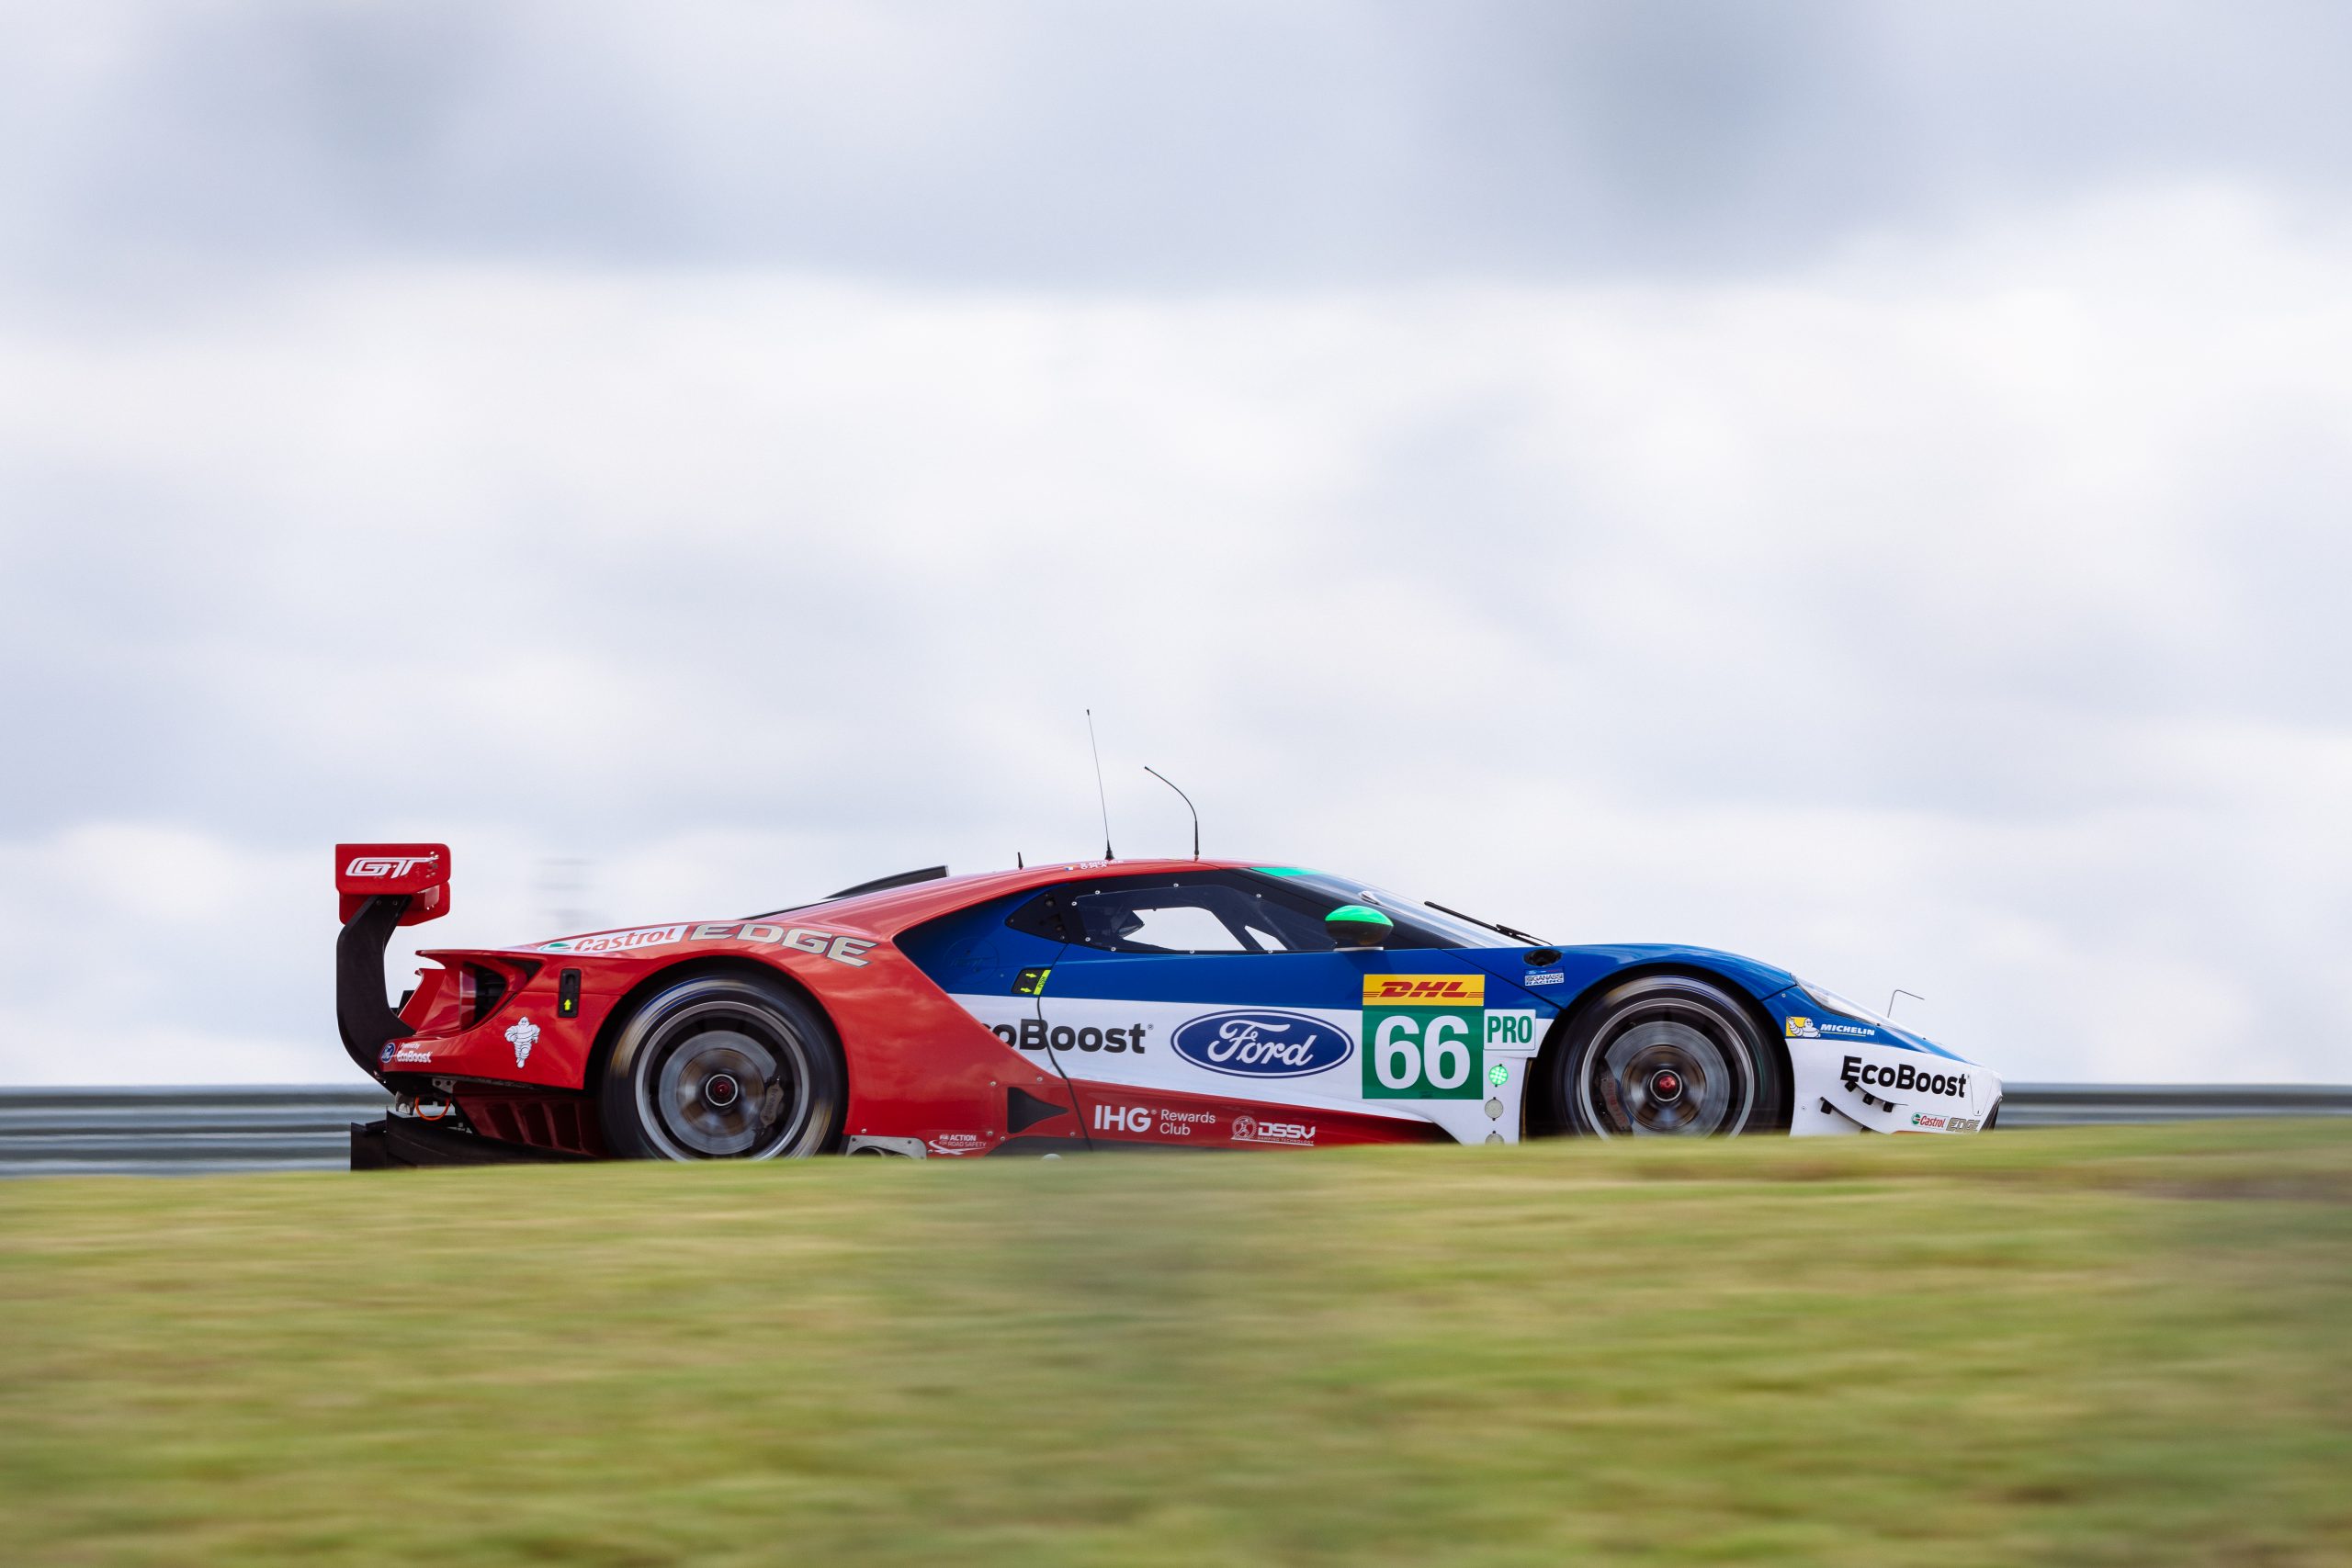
{"x": 377, "y": 865}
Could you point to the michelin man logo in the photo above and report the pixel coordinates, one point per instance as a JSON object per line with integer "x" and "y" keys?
{"x": 523, "y": 1036}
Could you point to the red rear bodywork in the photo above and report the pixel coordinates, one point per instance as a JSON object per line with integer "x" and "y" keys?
{"x": 512, "y": 1036}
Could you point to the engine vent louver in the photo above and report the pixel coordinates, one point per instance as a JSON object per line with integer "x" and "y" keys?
{"x": 482, "y": 990}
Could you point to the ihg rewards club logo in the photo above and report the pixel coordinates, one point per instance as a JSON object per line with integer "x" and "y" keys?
{"x": 1426, "y": 1035}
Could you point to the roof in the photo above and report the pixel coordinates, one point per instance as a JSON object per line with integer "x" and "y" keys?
{"x": 892, "y": 911}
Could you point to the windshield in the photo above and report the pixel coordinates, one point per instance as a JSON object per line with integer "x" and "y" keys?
{"x": 1436, "y": 929}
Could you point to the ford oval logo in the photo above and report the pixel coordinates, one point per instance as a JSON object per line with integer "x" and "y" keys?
{"x": 1263, "y": 1044}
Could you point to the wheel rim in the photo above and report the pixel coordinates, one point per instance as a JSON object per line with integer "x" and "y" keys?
{"x": 724, "y": 1081}
{"x": 1681, "y": 1075}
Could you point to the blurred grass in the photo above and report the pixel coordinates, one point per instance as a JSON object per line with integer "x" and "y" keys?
{"x": 2128, "y": 1346}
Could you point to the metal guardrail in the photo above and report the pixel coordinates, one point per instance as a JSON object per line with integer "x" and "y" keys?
{"x": 231, "y": 1127}
{"x": 91, "y": 1131}
{"x": 2090, "y": 1104}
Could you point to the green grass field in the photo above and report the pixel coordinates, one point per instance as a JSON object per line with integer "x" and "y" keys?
{"x": 2126, "y": 1346}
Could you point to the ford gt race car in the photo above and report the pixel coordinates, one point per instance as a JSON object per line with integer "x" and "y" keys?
{"x": 1167, "y": 1004}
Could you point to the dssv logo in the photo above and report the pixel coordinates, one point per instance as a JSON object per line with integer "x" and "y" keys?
{"x": 1263, "y": 1044}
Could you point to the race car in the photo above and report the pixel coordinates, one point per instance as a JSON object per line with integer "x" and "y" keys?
{"x": 1092, "y": 1005}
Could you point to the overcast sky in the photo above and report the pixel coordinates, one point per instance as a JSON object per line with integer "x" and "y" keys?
{"x": 1862, "y": 485}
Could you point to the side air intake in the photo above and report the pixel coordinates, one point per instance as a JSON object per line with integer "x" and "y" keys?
{"x": 1023, "y": 1111}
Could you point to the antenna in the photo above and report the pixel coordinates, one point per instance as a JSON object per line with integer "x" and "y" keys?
{"x": 1899, "y": 991}
{"x": 1099, "y": 796}
{"x": 1018, "y": 863}
{"x": 1187, "y": 799}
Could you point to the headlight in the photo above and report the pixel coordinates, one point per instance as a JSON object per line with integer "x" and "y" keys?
{"x": 1830, "y": 1001}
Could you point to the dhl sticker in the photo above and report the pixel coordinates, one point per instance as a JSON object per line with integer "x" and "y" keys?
{"x": 1425, "y": 990}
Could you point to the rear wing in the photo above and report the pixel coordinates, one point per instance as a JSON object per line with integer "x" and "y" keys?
{"x": 379, "y": 887}
{"x": 421, "y": 871}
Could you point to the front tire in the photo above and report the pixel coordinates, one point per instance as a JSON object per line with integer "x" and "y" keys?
{"x": 723, "y": 1067}
{"x": 1668, "y": 1056}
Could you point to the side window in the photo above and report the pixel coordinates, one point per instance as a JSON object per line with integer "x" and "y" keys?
{"x": 1167, "y": 918}
{"x": 1204, "y": 912}
{"x": 1170, "y": 928}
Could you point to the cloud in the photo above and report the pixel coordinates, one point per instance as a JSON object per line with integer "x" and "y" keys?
{"x": 160, "y": 155}
{"x": 1954, "y": 615}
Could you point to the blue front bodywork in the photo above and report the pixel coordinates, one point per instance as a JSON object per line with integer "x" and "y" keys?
{"x": 1060, "y": 967}
{"x": 973, "y": 952}
{"x": 1584, "y": 970}
{"x": 1581, "y": 969}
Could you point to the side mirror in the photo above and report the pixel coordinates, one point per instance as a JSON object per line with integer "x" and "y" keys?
{"x": 1359, "y": 925}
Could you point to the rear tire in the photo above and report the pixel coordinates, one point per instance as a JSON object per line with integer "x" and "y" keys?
{"x": 723, "y": 1067}
{"x": 1668, "y": 1056}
